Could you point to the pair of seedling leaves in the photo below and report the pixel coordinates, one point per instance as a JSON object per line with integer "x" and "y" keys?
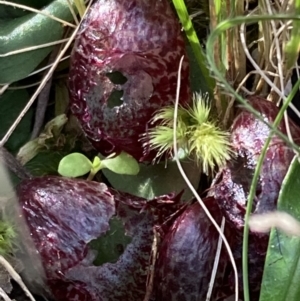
{"x": 77, "y": 165}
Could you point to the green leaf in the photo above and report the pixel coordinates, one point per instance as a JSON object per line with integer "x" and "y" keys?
{"x": 61, "y": 97}
{"x": 122, "y": 164}
{"x": 51, "y": 131}
{"x": 7, "y": 12}
{"x": 156, "y": 180}
{"x": 11, "y": 104}
{"x": 111, "y": 245}
{"x": 44, "y": 163}
{"x": 81, "y": 7}
{"x": 74, "y": 165}
{"x": 196, "y": 76}
{"x": 97, "y": 163}
{"x": 282, "y": 267}
{"x": 29, "y": 30}
{"x": 195, "y": 44}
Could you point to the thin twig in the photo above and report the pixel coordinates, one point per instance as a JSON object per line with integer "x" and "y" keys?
{"x": 39, "y": 89}
{"x": 16, "y": 277}
{"x": 73, "y": 12}
{"x": 216, "y": 263}
{"x": 42, "y": 101}
{"x": 4, "y": 295}
{"x": 255, "y": 65}
{"x": 151, "y": 273}
{"x": 193, "y": 190}
{"x": 46, "y": 67}
{"x": 22, "y": 87}
{"x": 31, "y": 48}
{"x": 3, "y": 89}
{"x": 13, "y": 164}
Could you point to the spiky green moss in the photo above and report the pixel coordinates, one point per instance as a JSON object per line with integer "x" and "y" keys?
{"x": 7, "y": 237}
{"x": 197, "y": 134}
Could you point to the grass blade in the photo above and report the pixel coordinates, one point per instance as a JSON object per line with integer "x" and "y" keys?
{"x": 194, "y": 42}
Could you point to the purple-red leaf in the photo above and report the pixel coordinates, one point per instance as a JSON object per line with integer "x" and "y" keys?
{"x": 141, "y": 40}
{"x": 64, "y": 215}
{"x": 187, "y": 255}
{"x": 231, "y": 187}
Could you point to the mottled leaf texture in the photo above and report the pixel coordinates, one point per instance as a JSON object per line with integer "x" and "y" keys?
{"x": 123, "y": 68}
{"x": 186, "y": 256}
{"x": 65, "y": 215}
{"x": 248, "y": 136}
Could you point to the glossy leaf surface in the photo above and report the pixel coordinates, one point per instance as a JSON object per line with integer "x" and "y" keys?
{"x": 74, "y": 165}
{"x": 122, "y": 164}
{"x": 28, "y": 31}
{"x": 282, "y": 273}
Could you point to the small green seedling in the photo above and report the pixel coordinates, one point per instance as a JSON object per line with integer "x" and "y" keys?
{"x": 76, "y": 165}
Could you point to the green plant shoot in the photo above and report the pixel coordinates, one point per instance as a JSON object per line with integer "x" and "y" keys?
{"x": 77, "y": 165}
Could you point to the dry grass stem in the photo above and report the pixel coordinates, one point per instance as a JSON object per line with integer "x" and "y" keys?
{"x": 216, "y": 263}
{"x": 4, "y": 295}
{"x": 16, "y": 277}
{"x": 151, "y": 271}
{"x": 255, "y": 65}
{"x": 3, "y": 88}
{"x": 33, "y": 48}
{"x": 193, "y": 190}
{"x": 24, "y": 86}
{"x": 46, "y": 77}
{"x": 47, "y": 66}
{"x": 39, "y": 89}
{"x": 73, "y": 12}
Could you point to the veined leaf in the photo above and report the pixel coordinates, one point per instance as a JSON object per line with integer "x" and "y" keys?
{"x": 282, "y": 267}
{"x": 155, "y": 180}
{"x": 122, "y": 164}
{"x": 27, "y": 31}
{"x": 74, "y": 165}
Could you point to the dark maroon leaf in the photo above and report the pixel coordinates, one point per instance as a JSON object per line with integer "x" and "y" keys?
{"x": 187, "y": 254}
{"x": 131, "y": 48}
{"x": 65, "y": 215}
{"x": 232, "y": 184}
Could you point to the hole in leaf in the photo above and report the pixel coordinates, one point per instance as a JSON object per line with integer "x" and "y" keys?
{"x": 115, "y": 99}
{"x": 116, "y": 77}
{"x": 111, "y": 245}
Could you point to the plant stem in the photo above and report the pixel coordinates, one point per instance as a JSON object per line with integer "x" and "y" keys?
{"x": 195, "y": 44}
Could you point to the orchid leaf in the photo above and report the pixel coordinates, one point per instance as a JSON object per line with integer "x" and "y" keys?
{"x": 156, "y": 180}
{"x": 282, "y": 272}
{"x": 12, "y": 103}
{"x": 44, "y": 163}
{"x": 27, "y": 31}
